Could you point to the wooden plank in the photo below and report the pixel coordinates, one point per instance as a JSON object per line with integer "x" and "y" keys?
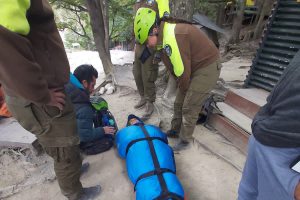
{"x": 230, "y": 131}
{"x": 247, "y": 101}
{"x": 236, "y": 117}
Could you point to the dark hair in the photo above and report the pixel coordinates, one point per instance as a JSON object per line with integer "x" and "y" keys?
{"x": 85, "y": 72}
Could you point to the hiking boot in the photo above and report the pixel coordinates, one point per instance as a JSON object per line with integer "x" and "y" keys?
{"x": 148, "y": 112}
{"x": 140, "y": 104}
{"x": 172, "y": 133}
{"x": 84, "y": 168}
{"x": 181, "y": 145}
{"x": 90, "y": 193}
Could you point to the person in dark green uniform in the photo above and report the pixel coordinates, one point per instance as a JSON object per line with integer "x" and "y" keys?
{"x": 145, "y": 68}
{"x": 191, "y": 57}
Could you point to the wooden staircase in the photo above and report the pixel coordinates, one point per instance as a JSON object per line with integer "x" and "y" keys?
{"x": 237, "y": 112}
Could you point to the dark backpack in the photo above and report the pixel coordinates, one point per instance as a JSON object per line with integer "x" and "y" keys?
{"x": 98, "y": 146}
{"x": 103, "y": 116}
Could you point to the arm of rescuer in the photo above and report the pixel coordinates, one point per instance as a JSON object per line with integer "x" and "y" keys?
{"x": 185, "y": 52}
{"x": 19, "y": 72}
{"x": 183, "y": 43}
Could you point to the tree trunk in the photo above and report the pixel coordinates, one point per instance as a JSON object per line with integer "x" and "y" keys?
{"x": 221, "y": 14}
{"x": 104, "y": 6}
{"x": 237, "y": 24}
{"x": 259, "y": 4}
{"x": 260, "y": 24}
{"x": 98, "y": 28}
{"x": 183, "y": 9}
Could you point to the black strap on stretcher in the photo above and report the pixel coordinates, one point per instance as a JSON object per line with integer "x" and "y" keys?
{"x": 165, "y": 194}
{"x": 142, "y": 139}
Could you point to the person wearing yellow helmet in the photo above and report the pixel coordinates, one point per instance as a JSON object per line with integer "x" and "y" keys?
{"x": 145, "y": 68}
{"x": 191, "y": 57}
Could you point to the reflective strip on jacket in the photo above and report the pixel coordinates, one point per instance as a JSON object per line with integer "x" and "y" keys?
{"x": 171, "y": 47}
{"x": 163, "y": 8}
{"x": 13, "y": 15}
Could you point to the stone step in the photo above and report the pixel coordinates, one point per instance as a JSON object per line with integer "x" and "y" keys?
{"x": 12, "y": 134}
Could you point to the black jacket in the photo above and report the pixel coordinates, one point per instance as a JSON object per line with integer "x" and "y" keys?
{"x": 85, "y": 114}
{"x": 277, "y": 124}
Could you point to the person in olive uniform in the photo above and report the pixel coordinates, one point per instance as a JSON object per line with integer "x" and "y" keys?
{"x": 191, "y": 57}
{"x": 33, "y": 71}
{"x": 145, "y": 68}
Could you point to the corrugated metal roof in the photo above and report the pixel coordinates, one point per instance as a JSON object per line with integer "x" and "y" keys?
{"x": 279, "y": 45}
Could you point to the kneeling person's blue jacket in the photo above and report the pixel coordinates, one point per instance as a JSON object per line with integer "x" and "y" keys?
{"x": 85, "y": 113}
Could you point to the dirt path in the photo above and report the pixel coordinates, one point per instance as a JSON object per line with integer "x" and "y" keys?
{"x": 209, "y": 170}
{"x": 204, "y": 175}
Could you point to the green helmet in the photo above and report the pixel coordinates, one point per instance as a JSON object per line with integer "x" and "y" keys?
{"x": 144, "y": 20}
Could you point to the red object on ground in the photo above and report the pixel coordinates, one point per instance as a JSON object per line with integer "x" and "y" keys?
{"x": 3, "y": 108}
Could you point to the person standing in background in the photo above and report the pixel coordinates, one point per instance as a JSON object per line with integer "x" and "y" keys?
{"x": 145, "y": 67}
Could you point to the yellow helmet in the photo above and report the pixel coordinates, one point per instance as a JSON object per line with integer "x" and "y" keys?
{"x": 144, "y": 20}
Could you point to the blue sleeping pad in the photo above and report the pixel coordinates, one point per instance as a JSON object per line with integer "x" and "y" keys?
{"x": 151, "y": 171}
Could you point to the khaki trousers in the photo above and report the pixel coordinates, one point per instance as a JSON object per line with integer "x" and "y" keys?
{"x": 187, "y": 105}
{"x": 56, "y": 131}
{"x": 145, "y": 74}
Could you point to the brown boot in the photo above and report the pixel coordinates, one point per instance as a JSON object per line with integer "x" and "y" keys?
{"x": 140, "y": 104}
{"x": 149, "y": 110}
{"x": 172, "y": 133}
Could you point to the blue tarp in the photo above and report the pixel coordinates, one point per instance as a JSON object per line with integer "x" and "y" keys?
{"x": 139, "y": 161}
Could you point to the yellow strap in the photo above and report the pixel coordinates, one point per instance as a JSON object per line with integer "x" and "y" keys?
{"x": 13, "y": 15}
{"x": 171, "y": 47}
{"x": 163, "y": 8}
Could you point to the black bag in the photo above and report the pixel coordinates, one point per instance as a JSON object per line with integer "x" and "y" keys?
{"x": 96, "y": 147}
{"x": 104, "y": 118}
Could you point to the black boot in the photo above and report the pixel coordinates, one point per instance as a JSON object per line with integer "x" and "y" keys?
{"x": 90, "y": 193}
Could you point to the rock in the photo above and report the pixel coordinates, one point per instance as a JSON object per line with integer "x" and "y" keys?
{"x": 108, "y": 86}
{"x": 110, "y": 90}
{"x": 102, "y": 90}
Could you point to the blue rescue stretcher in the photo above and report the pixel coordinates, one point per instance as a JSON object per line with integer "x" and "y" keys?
{"x": 150, "y": 162}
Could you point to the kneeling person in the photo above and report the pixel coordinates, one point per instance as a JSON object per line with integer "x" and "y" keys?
{"x": 93, "y": 139}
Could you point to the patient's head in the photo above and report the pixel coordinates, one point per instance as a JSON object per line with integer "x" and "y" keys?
{"x": 134, "y": 120}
